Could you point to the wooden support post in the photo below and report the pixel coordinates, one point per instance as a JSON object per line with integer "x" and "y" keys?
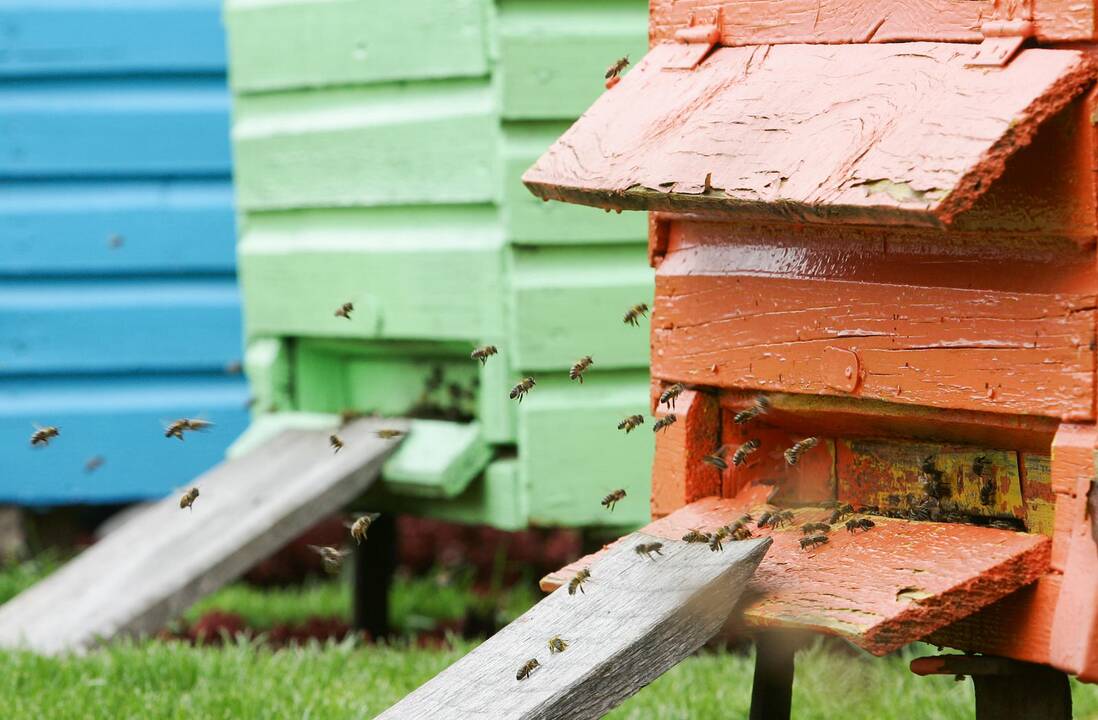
{"x": 1006, "y": 689}
{"x": 374, "y": 564}
{"x": 772, "y": 688}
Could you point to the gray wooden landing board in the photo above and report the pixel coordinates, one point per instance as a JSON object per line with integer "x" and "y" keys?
{"x": 153, "y": 567}
{"x": 635, "y": 620}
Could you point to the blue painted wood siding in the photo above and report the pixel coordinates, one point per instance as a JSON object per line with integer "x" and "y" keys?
{"x": 118, "y": 302}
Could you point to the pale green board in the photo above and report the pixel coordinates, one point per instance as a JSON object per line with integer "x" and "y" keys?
{"x": 287, "y": 44}
{"x": 411, "y": 273}
{"x": 267, "y": 364}
{"x": 554, "y": 54}
{"x": 398, "y": 144}
{"x": 437, "y": 460}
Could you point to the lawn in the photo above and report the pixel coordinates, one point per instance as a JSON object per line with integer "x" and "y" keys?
{"x": 245, "y": 679}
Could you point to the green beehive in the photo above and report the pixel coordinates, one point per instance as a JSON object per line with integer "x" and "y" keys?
{"x": 378, "y": 154}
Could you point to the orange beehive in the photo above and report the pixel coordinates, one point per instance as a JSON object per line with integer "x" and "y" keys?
{"x": 881, "y": 217}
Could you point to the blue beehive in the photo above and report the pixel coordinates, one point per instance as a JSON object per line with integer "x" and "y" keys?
{"x": 118, "y": 301}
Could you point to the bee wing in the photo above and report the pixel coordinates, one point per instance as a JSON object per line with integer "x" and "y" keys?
{"x": 316, "y": 548}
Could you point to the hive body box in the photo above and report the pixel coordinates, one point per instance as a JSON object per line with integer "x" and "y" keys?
{"x": 118, "y": 303}
{"x": 881, "y": 216}
{"x": 378, "y": 154}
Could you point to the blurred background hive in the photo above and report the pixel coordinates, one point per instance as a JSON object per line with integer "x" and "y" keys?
{"x": 378, "y": 154}
{"x": 118, "y": 303}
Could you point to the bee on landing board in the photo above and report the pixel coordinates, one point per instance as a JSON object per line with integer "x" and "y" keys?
{"x": 631, "y": 423}
{"x": 335, "y": 442}
{"x": 359, "y": 527}
{"x": 740, "y": 456}
{"x": 633, "y": 315}
{"x": 716, "y": 539}
{"x": 613, "y": 498}
{"x": 855, "y": 524}
{"x": 576, "y": 583}
{"x": 829, "y": 504}
{"x": 483, "y": 352}
{"x": 695, "y": 536}
{"x": 617, "y": 66}
{"x": 841, "y": 512}
{"x": 815, "y": 528}
{"x": 987, "y": 487}
{"x": 345, "y": 310}
{"x": 580, "y": 367}
{"x": 759, "y": 407}
{"x": 527, "y": 667}
{"x": 177, "y": 427}
{"x": 557, "y": 645}
{"x": 647, "y": 549}
{"x": 667, "y": 397}
{"x": 664, "y": 422}
{"x": 764, "y": 519}
{"x": 43, "y": 435}
{"x": 187, "y": 501}
{"x": 780, "y": 518}
{"x": 793, "y": 454}
{"x": 813, "y": 541}
{"x": 331, "y": 557}
{"x": 519, "y": 391}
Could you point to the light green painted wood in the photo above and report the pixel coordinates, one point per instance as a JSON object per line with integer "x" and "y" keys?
{"x": 397, "y": 144}
{"x": 438, "y": 459}
{"x": 530, "y": 220}
{"x": 569, "y": 302}
{"x": 282, "y": 44}
{"x": 267, "y": 426}
{"x": 410, "y": 272}
{"x": 495, "y": 410}
{"x": 553, "y": 55}
{"x": 571, "y": 453}
{"x": 267, "y": 364}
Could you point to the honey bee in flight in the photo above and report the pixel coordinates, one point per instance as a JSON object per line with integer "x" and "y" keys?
{"x": 667, "y": 397}
{"x": 178, "y": 427}
{"x": 695, "y": 536}
{"x": 360, "y": 526}
{"x": 576, "y": 583}
{"x": 664, "y": 422}
{"x": 759, "y": 407}
{"x": 811, "y": 528}
{"x": 331, "y": 557}
{"x": 187, "y": 501}
{"x": 716, "y": 458}
{"x": 740, "y": 456}
{"x": 631, "y": 423}
{"x": 616, "y": 68}
{"x": 527, "y": 667}
{"x": 335, "y": 442}
{"x": 859, "y": 524}
{"x": 647, "y": 549}
{"x": 43, "y": 435}
{"x": 613, "y": 498}
{"x": 519, "y": 391}
{"x": 632, "y": 317}
{"x": 813, "y": 541}
{"x": 94, "y": 463}
{"x": 483, "y": 352}
{"x": 345, "y": 310}
{"x": 580, "y": 367}
{"x": 557, "y": 645}
{"x": 386, "y": 434}
{"x": 793, "y": 454}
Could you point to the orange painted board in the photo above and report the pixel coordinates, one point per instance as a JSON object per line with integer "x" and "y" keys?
{"x": 678, "y": 474}
{"x": 880, "y": 589}
{"x": 994, "y": 350}
{"x": 897, "y": 133}
{"x": 842, "y": 21}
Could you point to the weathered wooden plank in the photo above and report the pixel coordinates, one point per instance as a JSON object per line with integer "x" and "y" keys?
{"x": 153, "y": 567}
{"x": 878, "y": 328}
{"x": 394, "y": 144}
{"x": 344, "y": 42}
{"x": 297, "y": 268}
{"x": 879, "y": 589}
{"x": 115, "y": 127}
{"x": 552, "y": 56}
{"x": 105, "y": 325}
{"x": 879, "y": 21}
{"x": 116, "y": 227}
{"x": 635, "y": 619}
{"x": 61, "y": 37}
{"x": 829, "y": 133}
{"x": 551, "y": 287}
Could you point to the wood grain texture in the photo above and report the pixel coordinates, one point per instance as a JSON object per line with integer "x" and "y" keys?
{"x": 758, "y": 317}
{"x": 152, "y": 568}
{"x": 880, "y": 589}
{"x": 1065, "y": 20}
{"x": 827, "y": 133}
{"x": 635, "y": 619}
{"x": 679, "y": 476}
